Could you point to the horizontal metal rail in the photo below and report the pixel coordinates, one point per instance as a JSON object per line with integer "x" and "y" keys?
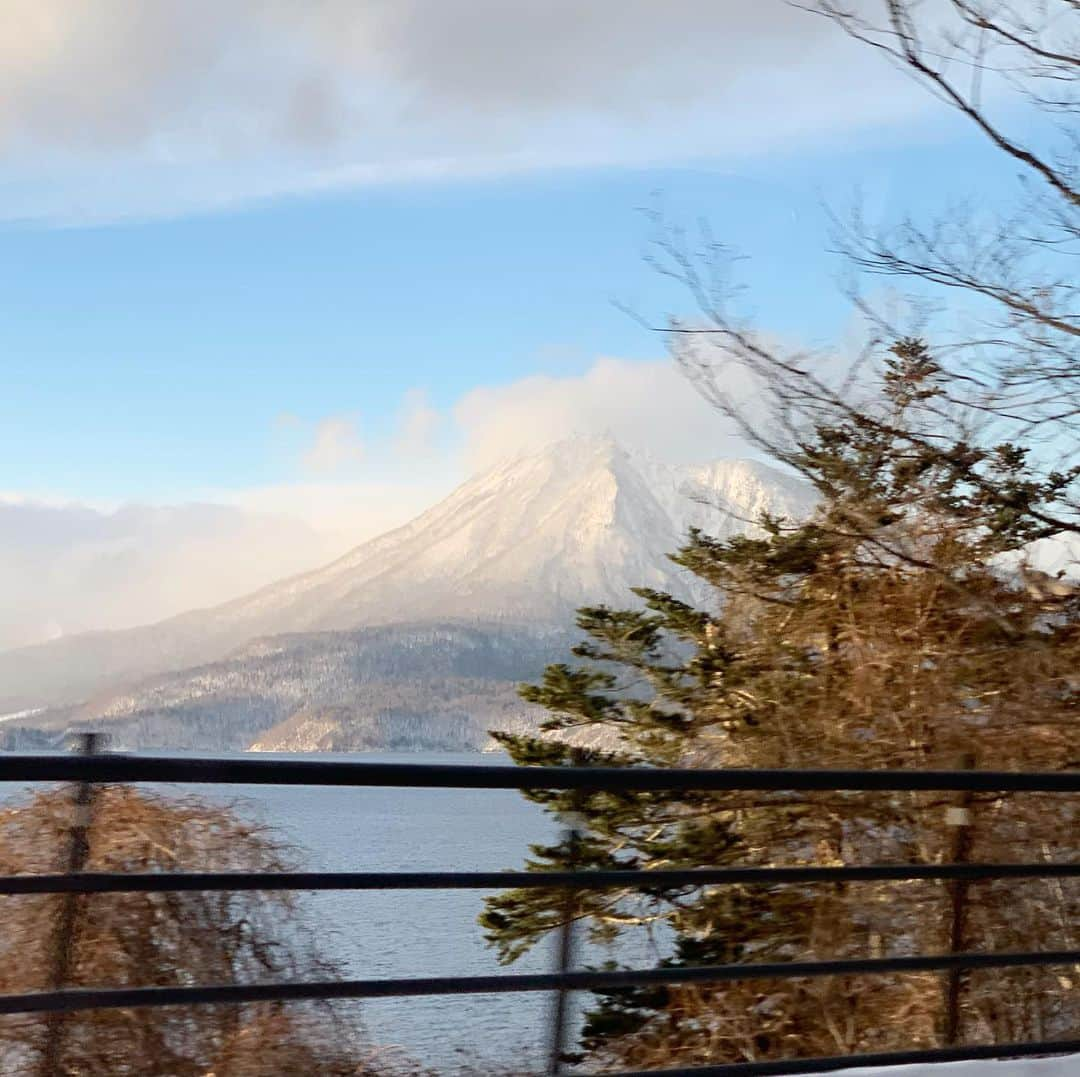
{"x": 880, "y": 1060}
{"x": 129, "y": 768}
{"x": 118, "y": 768}
{"x": 162, "y": 882}
{"x": 69, "y": 1001}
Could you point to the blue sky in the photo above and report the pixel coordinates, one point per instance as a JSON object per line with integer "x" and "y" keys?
{"x": 252, "y": 256}
{"x": 153, "y": 358}
{"x": 323, "y": 261}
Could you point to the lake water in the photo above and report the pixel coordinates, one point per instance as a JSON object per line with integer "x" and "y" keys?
{"x": 383, "y": 934}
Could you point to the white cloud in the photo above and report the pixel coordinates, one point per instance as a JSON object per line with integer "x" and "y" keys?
{"x": 67, "y": 567}
{"x": 135, "y": 106}
{"x": 336, "y": 445}
{"x": 343, "y": 513}
{"x": 418, "y": 424}
{"x": 70, "y": 568}
{"x": 647, "y": 405}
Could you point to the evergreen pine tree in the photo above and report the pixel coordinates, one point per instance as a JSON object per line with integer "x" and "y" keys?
{"x": 898, "y": 626}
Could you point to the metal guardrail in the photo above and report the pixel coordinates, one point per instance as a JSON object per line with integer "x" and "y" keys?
{"x": 89, "y": 768}
{"x": 117, "y": 767}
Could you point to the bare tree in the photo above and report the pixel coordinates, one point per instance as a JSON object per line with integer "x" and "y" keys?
{"x": 1011, "y": 70}
{"x": 162, "y": 939}
{"x": 995, "y": 292}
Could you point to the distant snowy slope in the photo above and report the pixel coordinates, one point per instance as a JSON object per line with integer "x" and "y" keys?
{"x": 412, "y": 686}
{"x": 527, "y": 542}
{"x": 1067, "y": 1066}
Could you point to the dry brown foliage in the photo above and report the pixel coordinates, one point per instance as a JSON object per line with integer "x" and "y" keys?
{"x": 163, "y": 939}
{"x": 922, "y": 674}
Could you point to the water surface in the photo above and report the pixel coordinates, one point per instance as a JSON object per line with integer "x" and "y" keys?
{"x": 390, "y": 934}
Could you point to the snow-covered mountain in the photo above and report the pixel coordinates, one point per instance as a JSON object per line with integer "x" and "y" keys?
{"x": 525, "y": 543}
{"x": 530, "y": 540}
{"x": 403, "y": 686}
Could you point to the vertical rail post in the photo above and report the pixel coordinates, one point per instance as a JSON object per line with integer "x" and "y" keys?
{"x": 63, "y": 950}
{"x": 565, "y": 952}
{"x": 959, "y": 818}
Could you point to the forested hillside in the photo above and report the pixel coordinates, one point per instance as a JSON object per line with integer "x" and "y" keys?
{"x": 403, "y": 686}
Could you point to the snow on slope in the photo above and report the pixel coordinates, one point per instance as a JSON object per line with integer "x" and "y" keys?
{"x": 1067, "y": 1066}
{"x": 528, "y": 542}
{"x": 580, "y": 521}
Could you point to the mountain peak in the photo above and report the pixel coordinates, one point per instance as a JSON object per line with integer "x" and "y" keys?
{"x": 580, "y": 521}
{"x": 573, "y": 453}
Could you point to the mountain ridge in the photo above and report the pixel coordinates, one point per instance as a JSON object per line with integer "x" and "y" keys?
{"x": 442, "y": 684}
{"x": 524, "y": 543}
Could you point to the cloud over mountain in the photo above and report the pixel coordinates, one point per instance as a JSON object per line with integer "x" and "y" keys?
{"x": 645, "y": 405}
{"x": 74, "y": 567}
{"x": 525, "y": 542}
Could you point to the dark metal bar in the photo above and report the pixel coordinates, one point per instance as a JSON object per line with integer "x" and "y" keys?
{"x": 564, "y": 963}
{"x": 132, "y": 997}
{"x": 560, "y": 1024}
{"x": 130, "y": 768}
{"x": 797, "y": 1066}
{"x": 119, "y": 768}
{"x": 119, "y": 883}
{"x": 64, "y": 940}
{"x": 958, "y": 818}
